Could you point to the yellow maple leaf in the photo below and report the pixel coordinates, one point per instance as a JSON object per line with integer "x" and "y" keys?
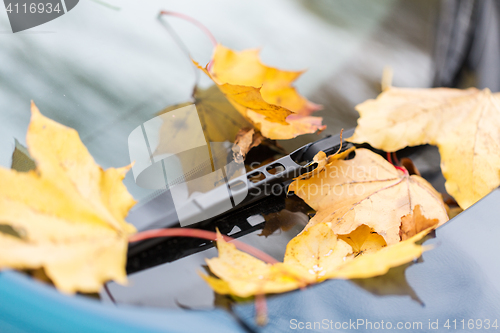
{"x": 262, "y": 94}
{"x": 311, "y": 257}
{"x": 464, "y": 124}
{"x": 367, "y": 190}
{"x": 69, "y": 213}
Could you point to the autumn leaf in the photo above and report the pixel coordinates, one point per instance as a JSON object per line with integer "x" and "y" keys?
{"x": 367, "y": 190}
{"x": 263, "y": 94}
{"x": 68, "y": 212}
{"x": 464, "y": 124}
{"x": 311, "y": 257}
{"x": 414, "y": 223}
{"x": 246, "y": 98}
{"x": 320, "y": 160}
{"x": 355, "y": 233}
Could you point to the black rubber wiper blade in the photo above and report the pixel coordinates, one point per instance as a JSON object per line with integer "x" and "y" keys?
{"x": 262, "y": 198}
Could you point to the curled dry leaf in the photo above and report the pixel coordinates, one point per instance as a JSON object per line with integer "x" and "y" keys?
{"x": 263, "y": 94}
{"x": 464, "y": 124}
{"x": 322, "y": 160}
{"x": 246, "y": 139}
{"x": 367, "y": 190}
{"x": 69, "y": 213}
{"x": 408, "y": 165}
{"x": 311, "y": 257}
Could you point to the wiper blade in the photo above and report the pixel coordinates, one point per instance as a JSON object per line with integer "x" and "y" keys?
{"x": 264, "y": 196}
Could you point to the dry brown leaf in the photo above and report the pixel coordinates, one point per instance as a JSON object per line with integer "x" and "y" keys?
{"x": 322, "y": 160}
{"x": 246, "y": 139}
{"x": 408, "y": 165}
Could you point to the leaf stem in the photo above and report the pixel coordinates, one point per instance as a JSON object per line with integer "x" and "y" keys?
{"x": 396, "y": 160}
{"x": 181, "y": 44}
{"x": 204, "y": 234}
{"x": 193, "y": 21}
{"x": 389, "y": 158}
{"x": 396, "y": 164}
{"x": 260, "y": 309}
